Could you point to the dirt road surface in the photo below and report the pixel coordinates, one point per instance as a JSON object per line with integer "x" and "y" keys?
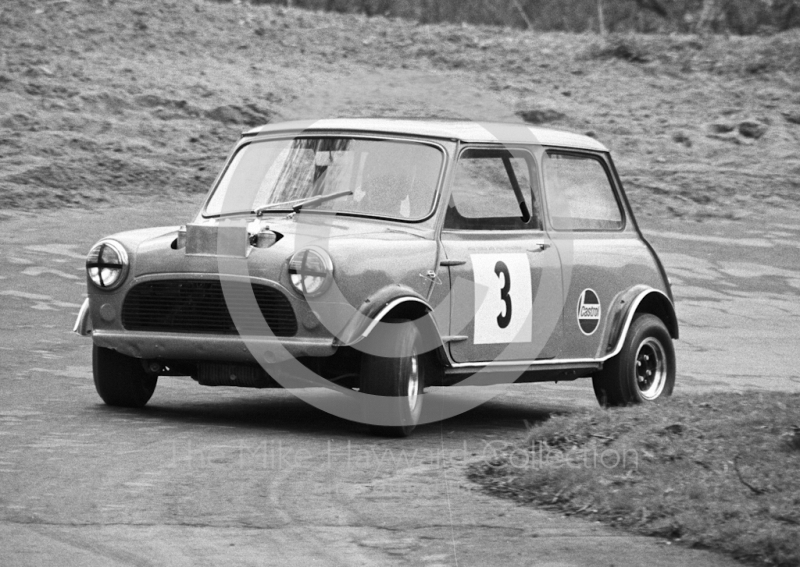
{"x": 257, "y": 477}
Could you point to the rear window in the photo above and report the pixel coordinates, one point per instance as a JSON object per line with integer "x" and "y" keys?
{"x": 579, "y": 193}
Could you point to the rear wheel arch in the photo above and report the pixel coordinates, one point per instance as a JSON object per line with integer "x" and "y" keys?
{"x": 659, "y": 305}
{"x": 638, "y": 300}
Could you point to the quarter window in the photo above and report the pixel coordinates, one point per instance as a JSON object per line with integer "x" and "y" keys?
{"x": 492, "y": 191}
{"x": 579, "y": 193}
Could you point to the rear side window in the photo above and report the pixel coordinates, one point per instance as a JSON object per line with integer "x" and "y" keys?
{"x": 492, "y": 191}
{"x": 579, "y": 193}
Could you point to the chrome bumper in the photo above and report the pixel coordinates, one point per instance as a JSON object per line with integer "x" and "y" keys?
{"x": 83, "y": 324}
{"x": 229, "y": 348}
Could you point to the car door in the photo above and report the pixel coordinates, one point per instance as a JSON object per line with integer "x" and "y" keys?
{"x": 506, "y": 289}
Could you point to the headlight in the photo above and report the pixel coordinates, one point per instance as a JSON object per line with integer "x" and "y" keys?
{"x": 311, "y": 271}
{"x": 107, "y": 264}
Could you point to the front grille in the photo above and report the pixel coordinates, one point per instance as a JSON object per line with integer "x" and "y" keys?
{"x": 198, "y": 306}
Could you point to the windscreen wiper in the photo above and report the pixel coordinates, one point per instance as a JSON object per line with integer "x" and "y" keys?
{"x": 297, "y": 205}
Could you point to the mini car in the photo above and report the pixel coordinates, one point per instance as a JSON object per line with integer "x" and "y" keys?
{"x": 381, "y": 257}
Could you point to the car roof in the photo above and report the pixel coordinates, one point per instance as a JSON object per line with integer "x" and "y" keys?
{"x": 462, "y": 130}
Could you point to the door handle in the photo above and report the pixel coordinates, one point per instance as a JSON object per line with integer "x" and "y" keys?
{"x": 540, "y": 247}
{"x": 451, "y": 263}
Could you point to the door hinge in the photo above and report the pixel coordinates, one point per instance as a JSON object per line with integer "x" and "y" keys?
{"x": 432, "y": 276}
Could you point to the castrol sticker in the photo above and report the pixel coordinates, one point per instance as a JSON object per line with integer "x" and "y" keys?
{"x": 589, "y": 312}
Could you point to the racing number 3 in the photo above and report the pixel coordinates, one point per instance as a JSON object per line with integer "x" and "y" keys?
{"x": 502, "y": 281}
{"x": 504, "y": 318}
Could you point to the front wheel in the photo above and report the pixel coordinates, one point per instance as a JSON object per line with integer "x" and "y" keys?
{"x": 398, "y": 374}
{"x": 121, "y": 380}
{"x": 643, "y": 371}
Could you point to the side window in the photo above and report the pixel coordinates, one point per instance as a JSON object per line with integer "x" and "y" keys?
{"x": 492, "y": 191}
{"x": 579, "y": 193}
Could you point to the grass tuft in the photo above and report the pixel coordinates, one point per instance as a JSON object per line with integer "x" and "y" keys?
{"x": 627, "y": 48}
{"x": 721, "y": 472}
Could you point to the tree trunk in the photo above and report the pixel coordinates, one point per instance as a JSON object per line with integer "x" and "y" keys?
{"x": 521, "y": 10}
{"x": 601, "y": 18}
{"x": 708, "y": 15}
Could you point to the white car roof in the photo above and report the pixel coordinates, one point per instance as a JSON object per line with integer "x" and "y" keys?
{"x": 462, "y": 130}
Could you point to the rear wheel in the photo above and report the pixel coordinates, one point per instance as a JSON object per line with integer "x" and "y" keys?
{"x": 400, "y": 374}
{"x": 643, "y": 371}
{"x": 121, "y": 380}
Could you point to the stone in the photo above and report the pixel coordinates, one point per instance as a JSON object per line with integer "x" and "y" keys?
{"x": 793, "y": 117}
{"x": 540, "y": 115}
{"x": 721, "y": 127}
{"x": 752, "y": 129}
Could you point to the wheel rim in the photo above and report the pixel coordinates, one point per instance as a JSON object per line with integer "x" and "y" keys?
{"x": 651, "y": 368}
{"x": 413, "y": 382}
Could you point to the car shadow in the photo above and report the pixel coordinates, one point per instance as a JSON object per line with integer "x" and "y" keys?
{"x": 280, "y": 411}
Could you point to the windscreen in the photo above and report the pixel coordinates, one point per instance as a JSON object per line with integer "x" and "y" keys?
{"x": 376, "y": 177}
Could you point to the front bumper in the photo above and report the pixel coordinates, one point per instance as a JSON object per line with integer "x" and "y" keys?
{"x": 228, "y": 348}
{"x": 200, "y": 346}
{"x": 83, "y": 324}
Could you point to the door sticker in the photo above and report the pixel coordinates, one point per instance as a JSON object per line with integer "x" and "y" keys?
{"x": 589, "y": 312}
{"x": 503, "y": 303}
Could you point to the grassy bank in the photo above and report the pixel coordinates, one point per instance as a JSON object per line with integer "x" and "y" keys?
{"x": 719, "y": 472}
{"x": 107, "y": 102}
{"x": 737, "y": 16}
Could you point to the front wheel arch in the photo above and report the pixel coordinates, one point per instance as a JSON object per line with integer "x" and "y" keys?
{"x": 414, "y": 311}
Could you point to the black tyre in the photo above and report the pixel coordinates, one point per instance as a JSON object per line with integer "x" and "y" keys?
{"x": 121, "y": 380}
{"x": 643, "y": 371}
{"x": 400, "y": 374}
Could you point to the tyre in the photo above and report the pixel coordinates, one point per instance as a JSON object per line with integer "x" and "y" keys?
{"x": 643, "y": 371}
{"x": 400, "y": 375}
{"x": 121, "y": 380}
